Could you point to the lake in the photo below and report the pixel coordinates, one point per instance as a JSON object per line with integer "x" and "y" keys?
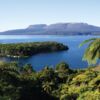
{"x": 73, "y": 56}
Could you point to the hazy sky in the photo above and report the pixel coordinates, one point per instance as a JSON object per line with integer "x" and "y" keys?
{"x": 16, "y": 14}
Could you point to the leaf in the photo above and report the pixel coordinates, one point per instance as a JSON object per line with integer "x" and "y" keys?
{"x": 86, "y": 41}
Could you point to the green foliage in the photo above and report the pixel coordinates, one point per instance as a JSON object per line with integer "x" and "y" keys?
{"x": 62, "y": 66}
{"x": 28, "y": 69}
{"x": 63, "y": 72}
{"x": 90, "y": 95}
{"x": 68, "y": 97}
{"x": 47, "y": 86}
{"x": 29, "y": 49}
{"x": 86, "y": 41}
{"x": 61, "y": 83}
{"x": 92, "y": 53}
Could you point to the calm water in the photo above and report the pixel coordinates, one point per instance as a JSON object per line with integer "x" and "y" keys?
{"x": 73, "y": 56}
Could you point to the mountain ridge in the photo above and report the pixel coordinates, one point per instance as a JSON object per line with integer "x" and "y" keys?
{"x": 56, "y": 29}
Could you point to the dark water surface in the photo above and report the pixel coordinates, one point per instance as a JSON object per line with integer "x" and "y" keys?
{"x": 73, "y": 56}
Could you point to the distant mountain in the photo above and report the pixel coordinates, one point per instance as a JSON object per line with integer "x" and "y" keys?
{"x": 56, "y": 29}
{"x": 37, "y": 27}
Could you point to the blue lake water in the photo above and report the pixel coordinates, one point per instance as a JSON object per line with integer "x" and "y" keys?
{"x": 73, "y": 56}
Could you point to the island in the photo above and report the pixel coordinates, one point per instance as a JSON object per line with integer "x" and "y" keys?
{"x": 30, "y": 48}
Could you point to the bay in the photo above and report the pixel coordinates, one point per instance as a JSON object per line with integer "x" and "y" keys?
{"x": 73, "y": 56}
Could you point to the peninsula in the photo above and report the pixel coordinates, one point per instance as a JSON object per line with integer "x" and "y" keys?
{"x": 29, "y": 49}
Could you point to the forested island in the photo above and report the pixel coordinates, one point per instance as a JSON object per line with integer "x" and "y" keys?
{"x": 29, "y": 49}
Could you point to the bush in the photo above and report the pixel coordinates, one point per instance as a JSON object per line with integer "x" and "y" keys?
{"x": 90, "y": 95}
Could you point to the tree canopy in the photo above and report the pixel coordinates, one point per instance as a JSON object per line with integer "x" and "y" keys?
{"x": 63, "y": 83}
{"x": 29, "y": 49}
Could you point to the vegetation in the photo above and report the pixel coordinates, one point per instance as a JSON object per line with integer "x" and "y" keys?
{"x": 59, "y": 83}
{"x": 92, "y": 53}
{"x": 29, "y": 49}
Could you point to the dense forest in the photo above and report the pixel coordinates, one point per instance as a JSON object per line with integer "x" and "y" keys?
{"x": 29, "y": 49}
{"x": 58, "y": 83}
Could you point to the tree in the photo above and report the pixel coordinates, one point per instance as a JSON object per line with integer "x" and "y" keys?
{"x": 8, "y": 69}
{"x": 62, "y": 66}
{"x": 28, "y": 69}
{"x": 9, "y": 79}
{"x": 63, "y": 71}
{"x": 47, "y": 74}
{"x": 92, "y": 53}
{"x": 47, "y": 86}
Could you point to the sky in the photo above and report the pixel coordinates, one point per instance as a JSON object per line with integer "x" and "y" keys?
{"x": 17, "y": 14}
